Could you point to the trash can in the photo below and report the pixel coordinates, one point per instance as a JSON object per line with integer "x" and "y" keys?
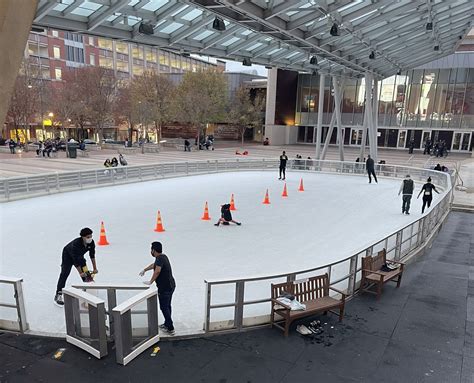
{"x": 72, "y": 150}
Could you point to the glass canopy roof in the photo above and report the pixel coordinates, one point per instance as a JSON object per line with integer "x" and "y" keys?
{"x": 347, "y": 38}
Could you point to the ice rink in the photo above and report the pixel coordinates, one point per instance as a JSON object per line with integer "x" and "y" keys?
{"x": 335, "y": 217}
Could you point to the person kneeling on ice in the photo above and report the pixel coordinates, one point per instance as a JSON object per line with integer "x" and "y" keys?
{"x": 226, "y": 216}
{"x": 73, "y": 254}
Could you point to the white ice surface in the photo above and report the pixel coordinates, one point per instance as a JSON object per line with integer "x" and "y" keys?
{"x": 335, "y": 217}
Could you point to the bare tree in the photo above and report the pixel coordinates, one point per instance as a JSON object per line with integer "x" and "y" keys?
{"x": 154, "y": 92}
{"x": 125, "y": 110}
{"x": 201, "y": 98}
{"x": 245, "y": 111}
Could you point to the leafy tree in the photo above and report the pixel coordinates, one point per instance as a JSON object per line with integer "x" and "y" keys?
{"x": 245, "y": 111}
{"x": 201, "y": 98}
{"x": 154, "y": 95}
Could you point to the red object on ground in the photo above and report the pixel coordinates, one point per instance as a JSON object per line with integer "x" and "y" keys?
{"x": 285, "y": 192}
{"x": 266, "y": 201}
{"x": 205, "y": 216}
{"x": 159, "y": 224}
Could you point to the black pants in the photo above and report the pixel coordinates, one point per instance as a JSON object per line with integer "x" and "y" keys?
{"x": 406, "y": 203}
{"x": 372, "y": 173}
{"x": 282, "y": 171}
{"x": 165, "y": 306}
{"x": 426, "y": 201}
{"x": 66, "y": 266}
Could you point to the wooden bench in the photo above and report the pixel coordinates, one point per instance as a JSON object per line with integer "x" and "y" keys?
{"x": 313, "y": 292}
{"x": 372, "y": 275}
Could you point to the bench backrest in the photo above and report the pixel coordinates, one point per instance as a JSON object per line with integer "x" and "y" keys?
{"x": 305, "y": 289}
{"x": 375, "y": 262}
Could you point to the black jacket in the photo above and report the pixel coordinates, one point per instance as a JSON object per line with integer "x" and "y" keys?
{"x": 370, "y": 164}
{"x": 76, "y": 249}
{"x": 225, "y": 212}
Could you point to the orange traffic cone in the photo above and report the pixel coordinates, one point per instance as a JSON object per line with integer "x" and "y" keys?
{"x": 102, "y": 238}
{"x": 205, "y": 216}
{"x": 285, "y": 193}
{"x": 301, "y": 188}
{"x": 232, "y": 203}
{"x": 266, "y": 201}
{"x": 159, "y": 225}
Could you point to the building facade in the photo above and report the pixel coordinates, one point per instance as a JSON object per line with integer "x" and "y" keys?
{"x": 434, "y": 101}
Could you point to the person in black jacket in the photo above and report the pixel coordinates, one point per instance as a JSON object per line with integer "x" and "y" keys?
{"x": 226, "y": 216}
{"x": 370, "y": 166}
{"x": 406, "y": 188}
{"x": 73, "y": 254}
{"x": 428, "y": 188}
{"x": 283, "y": 160}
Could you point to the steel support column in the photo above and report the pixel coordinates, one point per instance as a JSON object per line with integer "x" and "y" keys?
{"x": 320, "y": 115}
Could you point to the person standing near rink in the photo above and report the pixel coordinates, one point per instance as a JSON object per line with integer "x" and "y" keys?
{"x": 370, "y": 166}
{"x": 283, "y": 160}
{"x": 406, "y": 188}
{"x": 428, "y": 188}
{"x": 163, "y": 277}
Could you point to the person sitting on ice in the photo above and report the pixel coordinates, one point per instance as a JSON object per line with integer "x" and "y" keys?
{"x": 266, "y": 142}
{"x": 114, "y": 162}
{"x": 226, "y": 216}
{"x": 107, "y": 163}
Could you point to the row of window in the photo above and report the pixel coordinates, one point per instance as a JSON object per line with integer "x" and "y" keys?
{"x": 421, "y": 98}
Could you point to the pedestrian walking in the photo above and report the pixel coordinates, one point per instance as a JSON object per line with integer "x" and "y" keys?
{"x": 73, "y": 255}
{"x": 370, "y": 166}
{"x": 163, "y": 277}
{"x": 283, "y": 160}
{"x": 411, "y": 146}
{"x": 427, "y": 191}
{"x": 12, "y": 146}
{"x": 406, "y": 188}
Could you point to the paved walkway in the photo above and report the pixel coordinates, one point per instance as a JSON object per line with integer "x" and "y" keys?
{"x": 422, "y": 332}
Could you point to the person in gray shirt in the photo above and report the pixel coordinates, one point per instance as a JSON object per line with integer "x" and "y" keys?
{"x": 406, "y": 188}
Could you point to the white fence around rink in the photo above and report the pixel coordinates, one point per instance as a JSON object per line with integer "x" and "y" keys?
{"x": 238, "y": 297}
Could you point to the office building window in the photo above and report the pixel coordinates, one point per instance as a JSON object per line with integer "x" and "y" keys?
{"x": 58, "y": 73}
{"x": 121, "y": 47}
{"x": 105, "y": 43}
{"x": 137, "y": 52}
{"x": 56, "y": 52}
{"x": 91, "y": 40}
{"x": 92, "y": 59}
{"x": 55, "y": 33}
{"x": 75, "y": 54}
{"x": 106, "y": 62}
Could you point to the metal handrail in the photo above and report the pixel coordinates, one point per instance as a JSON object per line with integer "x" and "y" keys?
{"x": 419, "y": 232}
{"x": 20, "y": 324}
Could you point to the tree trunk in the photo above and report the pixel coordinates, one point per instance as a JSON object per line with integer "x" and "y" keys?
{"x": 130, "y": 134}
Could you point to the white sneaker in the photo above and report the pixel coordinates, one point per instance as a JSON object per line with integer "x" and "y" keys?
{"x": 58, "y": 300}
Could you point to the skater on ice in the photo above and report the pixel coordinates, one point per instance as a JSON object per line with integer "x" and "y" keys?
{"x": 163, "y": 277}
{"x": 283, "y": 160}
{"x": 73, "y": 255}
{"x": 226, "y": 216}
{"x": 406, "y": 188}
{"x": 427, "y": 191}
{"x": 370, "y": 166}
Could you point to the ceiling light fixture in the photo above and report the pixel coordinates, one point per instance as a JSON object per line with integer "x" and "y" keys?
{"x": 146, "y": 29}
{"x": 334, "y": 30}
{"x": 313, "y": 60}
{"x": 218, "y": 24}
{"x": 246, "y": 62}
{"x": 372, "y": 55}
{"x": 429, "y": 26}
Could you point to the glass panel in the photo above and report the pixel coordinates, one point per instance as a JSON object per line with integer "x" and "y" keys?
{"x": 150, "y": 55}
{"x": 457, "y": 141}
{"x": 105, "y": 43}
{"x": 309, "y": 134}
{"x": 402, "y": 135}
{"x": 106, "y": 62}
{"x": 137, "y": 52}
{"x": 301, "y": 133}
{"x": 121, "y": 47}
{"x": 466, "y": 137}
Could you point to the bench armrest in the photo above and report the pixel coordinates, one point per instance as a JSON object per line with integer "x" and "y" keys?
{"x": 280, "y": 303}
{"x": 338, "y": 291}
